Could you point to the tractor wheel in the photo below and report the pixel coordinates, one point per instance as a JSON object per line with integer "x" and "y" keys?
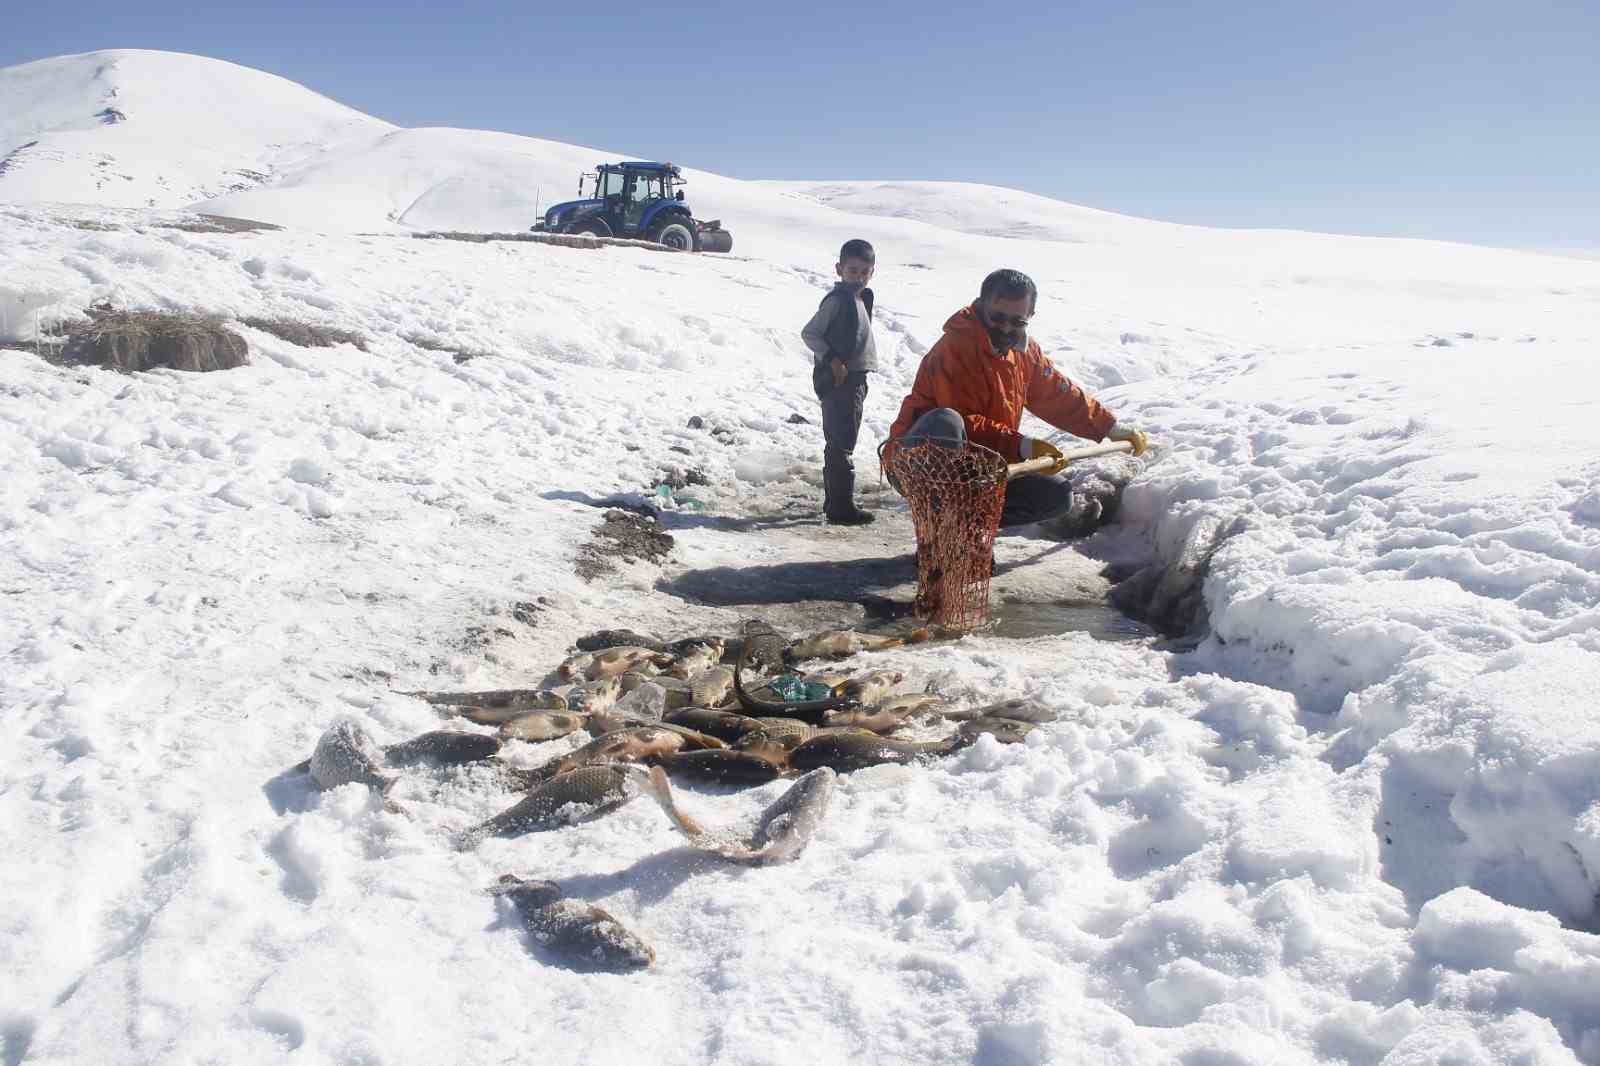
{"x": 591, "y": 227}
{"x": 675, "y": 235}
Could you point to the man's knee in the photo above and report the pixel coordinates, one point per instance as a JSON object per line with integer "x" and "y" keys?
{"x": 1036, "y": 498}
{"x": 942, "y": 425}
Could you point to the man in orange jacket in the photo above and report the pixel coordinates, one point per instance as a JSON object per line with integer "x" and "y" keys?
{"x": 975, "y": 383}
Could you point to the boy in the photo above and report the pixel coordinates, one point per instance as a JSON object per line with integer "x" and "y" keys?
{"x": 840, "y": 338}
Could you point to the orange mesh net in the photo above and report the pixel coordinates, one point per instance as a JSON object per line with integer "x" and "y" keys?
{"x": 955, "y": 495}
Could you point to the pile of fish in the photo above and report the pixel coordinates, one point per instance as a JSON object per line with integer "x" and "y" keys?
{"x": 706, "y": 708}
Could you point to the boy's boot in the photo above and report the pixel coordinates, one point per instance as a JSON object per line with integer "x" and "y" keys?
{"x": 839, "y": 489}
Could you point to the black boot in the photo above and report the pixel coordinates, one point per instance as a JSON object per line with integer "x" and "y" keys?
{"x": 839, "y": 488}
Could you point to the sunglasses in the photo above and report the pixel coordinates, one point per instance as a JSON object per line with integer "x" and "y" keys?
{"x": 997, "y": 319}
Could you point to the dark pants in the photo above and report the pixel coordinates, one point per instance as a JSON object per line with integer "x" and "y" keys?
{"x": 1029, "y": 498}
{"x": 842, "y": 406}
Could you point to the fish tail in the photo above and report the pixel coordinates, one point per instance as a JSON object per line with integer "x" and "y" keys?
{"x": 661, "y": 791}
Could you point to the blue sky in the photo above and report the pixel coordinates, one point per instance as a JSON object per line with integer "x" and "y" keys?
{"x": 1470, "y": 121}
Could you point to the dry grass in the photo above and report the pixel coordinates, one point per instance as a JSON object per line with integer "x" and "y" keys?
{"x": 203, "y": 223}
{"x": 305, "y": 334}
{"x": 428, "y": 344}
{"x": 142, "y": 340}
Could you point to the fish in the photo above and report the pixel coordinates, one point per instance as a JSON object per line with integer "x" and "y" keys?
{"x": 784, "y": 829}
{"x": 711, "y": 687}
{"x": 1005, "y": 730}
{"x": 631, "y": 680}
{"x": 724, "y": 766}
{"x": 574, "y": 796}
{"x": 576, "y": 667}
{"x": 1022, "y": 709}
{"x": 582, "y": 933}
{"x": 612, "y": 661}
{"x": 786, "y": 728}
{"x": 724, "y": 725}
{"x": 346, "y": 754}
{"x": 634, "y": 744}
{"x": 536, "y": 726}
{"x": 788, "y": 825}
{"x": 870, "y": 687}
{"x": 592, "y": 696}
{"x": 693, "y": 739}
{"x": 618, "y": 638}
{"x": 851, "y": 750}
{"x": 837, "y": 644}
{"x": 493, "y": 706}
{"x": 616, "y": 719}
{"x": 873, "y": 719}
{"x": 806, "y": 710}
{"x": 760, "y": 646}
{"x": 501, "y": 715}
{"x": 696, "y": 654}
{"x": 774, "y": 749}
{"x": 908, "y": 705}
{"x": 442, "y": 748}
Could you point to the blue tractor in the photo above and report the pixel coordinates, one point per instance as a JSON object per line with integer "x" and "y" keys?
{"x": 639, "y": 201}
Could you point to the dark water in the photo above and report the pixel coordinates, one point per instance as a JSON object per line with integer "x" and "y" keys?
{"x": 1101, "y": 621}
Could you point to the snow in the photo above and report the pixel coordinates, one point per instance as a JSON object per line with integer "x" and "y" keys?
{"x": 1359, "y": 822}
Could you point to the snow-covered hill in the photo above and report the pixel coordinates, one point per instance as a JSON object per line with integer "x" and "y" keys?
{"x": 1360, "y": 823}
{"x": 157, "y": 129}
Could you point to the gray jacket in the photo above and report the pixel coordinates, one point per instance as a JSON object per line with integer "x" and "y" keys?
{"x": 842, "y": 328}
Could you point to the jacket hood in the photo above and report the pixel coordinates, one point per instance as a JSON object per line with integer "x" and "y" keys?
{"x": 965, "y": 321}
{"x": 966, "y": 325}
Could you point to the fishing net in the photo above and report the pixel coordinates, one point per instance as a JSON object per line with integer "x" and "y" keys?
{"x": 956, "y": 495}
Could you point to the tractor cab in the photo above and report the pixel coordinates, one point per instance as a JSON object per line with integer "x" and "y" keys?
{"x": 633, "y": 192}
{"x": 638, "y": 201}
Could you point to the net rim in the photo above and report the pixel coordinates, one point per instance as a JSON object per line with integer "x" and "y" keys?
{"x": 969, "y": 447}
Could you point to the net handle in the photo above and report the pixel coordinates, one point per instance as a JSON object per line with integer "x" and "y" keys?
{"x": 1048, "y": 462}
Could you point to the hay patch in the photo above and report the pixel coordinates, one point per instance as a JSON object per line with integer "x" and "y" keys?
{"x": 305, "y": 334}
{"x": 428, "y": 344}
{"x": 131, "y": 341}
{"x": 204, "y": 223}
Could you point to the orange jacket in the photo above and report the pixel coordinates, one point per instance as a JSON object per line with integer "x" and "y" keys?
{"x": 991, "y": 391}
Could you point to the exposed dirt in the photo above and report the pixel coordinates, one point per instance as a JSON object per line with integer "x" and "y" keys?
{"x": 622, "y": 536}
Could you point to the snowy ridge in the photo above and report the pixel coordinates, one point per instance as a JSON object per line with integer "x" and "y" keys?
{"x": 1361, "y": 823}
{"x": 157, "y": 129}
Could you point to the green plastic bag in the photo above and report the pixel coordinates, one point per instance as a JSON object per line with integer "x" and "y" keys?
{"x": 795, "y": 687}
